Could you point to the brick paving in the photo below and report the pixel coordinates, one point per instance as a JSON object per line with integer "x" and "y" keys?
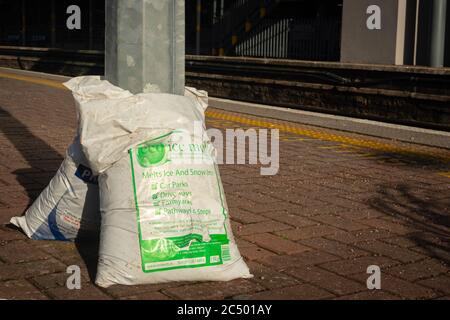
{"x": 310, "y": 232}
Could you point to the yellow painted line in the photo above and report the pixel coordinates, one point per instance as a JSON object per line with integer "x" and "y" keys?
{"x": 41, "y": 81}
{"x": 445, "y": 174}
{"x": 325, "y": 136}
{"x": 370, "y": 144}
{"x": 329, "y": 147}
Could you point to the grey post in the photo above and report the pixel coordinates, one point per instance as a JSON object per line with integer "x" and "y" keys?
{"x": 438, "y": 33}
{"x": 198, "y": 27}
{"x": 145, "y": 45}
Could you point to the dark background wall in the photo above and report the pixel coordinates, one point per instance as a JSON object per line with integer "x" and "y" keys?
{"x": 359, "y": 44}
{"x": 45, "y": 24}
{"x": 315, "y": 30}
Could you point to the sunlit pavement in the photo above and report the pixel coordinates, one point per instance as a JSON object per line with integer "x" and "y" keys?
{"x": 340, "y": 203}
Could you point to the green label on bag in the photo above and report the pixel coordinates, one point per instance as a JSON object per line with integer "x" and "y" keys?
{"x": 178, "y": 228}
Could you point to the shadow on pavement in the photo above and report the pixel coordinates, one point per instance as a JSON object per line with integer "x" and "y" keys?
{"x": 426, "y": 212}
{"x": 33, "y": 149}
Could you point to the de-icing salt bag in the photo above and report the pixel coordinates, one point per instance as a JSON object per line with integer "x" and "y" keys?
{"x": 68, "y": 208}
{"x": 164, "y": 212}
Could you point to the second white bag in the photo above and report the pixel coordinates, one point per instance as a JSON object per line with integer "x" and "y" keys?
{"x": 68, "y": 208}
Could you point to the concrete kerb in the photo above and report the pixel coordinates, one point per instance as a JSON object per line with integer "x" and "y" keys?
{"x": 434, "y": 138}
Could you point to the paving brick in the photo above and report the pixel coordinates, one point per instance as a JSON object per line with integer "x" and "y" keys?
{"x": 423, "y": 239}
{"x": 270, "y": 278}
{"x": 289, "y": 218}
{"x": 244, "y": 217}
{"x": 307, "y": 232}
{"x": 87, "y": 264}
{"x": 213, "y": 290}
{"x": 359, "y": 236}
{"x": 299, "y": 292}
{"x": 232, "y": 180}
{"x": 436, "y": 251}
{"x": 258, "y": 197}
{"x": 148, "y": 296}
{"x": 357, "y": 265}
{"x": 236, "y": 227}
{"x": 266, "y": 207}
{"x": 345, "y": 203}
{"x": 400, "y": 241}
{"x": 440, "y": 283}
{"x": 121, "y": 291}
{"x": 399, "y": 287}
{"x": 87, "y": 292}
{"x": 310, "y": 206}
{"x": 30, "y": 269}
{"x": 20, "y": 290}
{"x": 334, "y": 247}
{"x": 370, "y": 295}
{"x": 299, "y": 259}
{"x": 340, "y": 222}
{"x": 325, "y": 280}
{"x": 419, "y": 270}
{"x": 389, "y": 226}
{"x": 57, "y": 249}
{"x": 54, "y": 280}
{"x": 361, "y": 214}
{"x": 8, "y": 234}
{"x": 316, "y": 208}
{"x": 255, "y": 253}
{"x": 296, "y": 197}
{"x": 20, "y": 251}
{"x": 241, "y": 243}
{"x": 276, "y": 244}
{"x": 261, "y": 227}
{"x": 390, "y": 251}
{"x": 12, "y": 210}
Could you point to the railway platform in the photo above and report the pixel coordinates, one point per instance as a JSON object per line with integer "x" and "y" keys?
{"x": 340, "y": 202}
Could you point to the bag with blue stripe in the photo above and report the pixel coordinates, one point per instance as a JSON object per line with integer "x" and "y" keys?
{"x": 68, "y": 208}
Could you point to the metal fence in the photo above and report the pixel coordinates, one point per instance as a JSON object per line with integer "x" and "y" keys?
{"x": 270, "y": 39}
{"x": 305, "y": 39}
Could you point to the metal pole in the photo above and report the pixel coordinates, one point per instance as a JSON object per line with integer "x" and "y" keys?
{"x": 438, "y": 33}
{"x": 214, "y": 11}
{"x": 198, "y": 27}
{"x": 91, "y": 27}
{"x": 145, "y": 45}
{"x": 24, "y": 24}
{"x": 53, "y": 25}
{"x": 416, "y": 31}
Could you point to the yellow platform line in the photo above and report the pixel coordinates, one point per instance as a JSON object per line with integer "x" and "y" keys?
{"x": 370, "y": 144}
{"x": 325, "y": 136}
{"x": 445, "y": 174}
{"x": 41, "y": 81}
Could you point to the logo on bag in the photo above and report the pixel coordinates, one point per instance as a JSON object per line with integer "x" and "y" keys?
{"x": 151, "y": 154}
{"x": 85, "y": 174}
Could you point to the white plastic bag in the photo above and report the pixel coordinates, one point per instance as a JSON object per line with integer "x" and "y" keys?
{"x": 164, "y": 213}
{"x": 68, "y": 208}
